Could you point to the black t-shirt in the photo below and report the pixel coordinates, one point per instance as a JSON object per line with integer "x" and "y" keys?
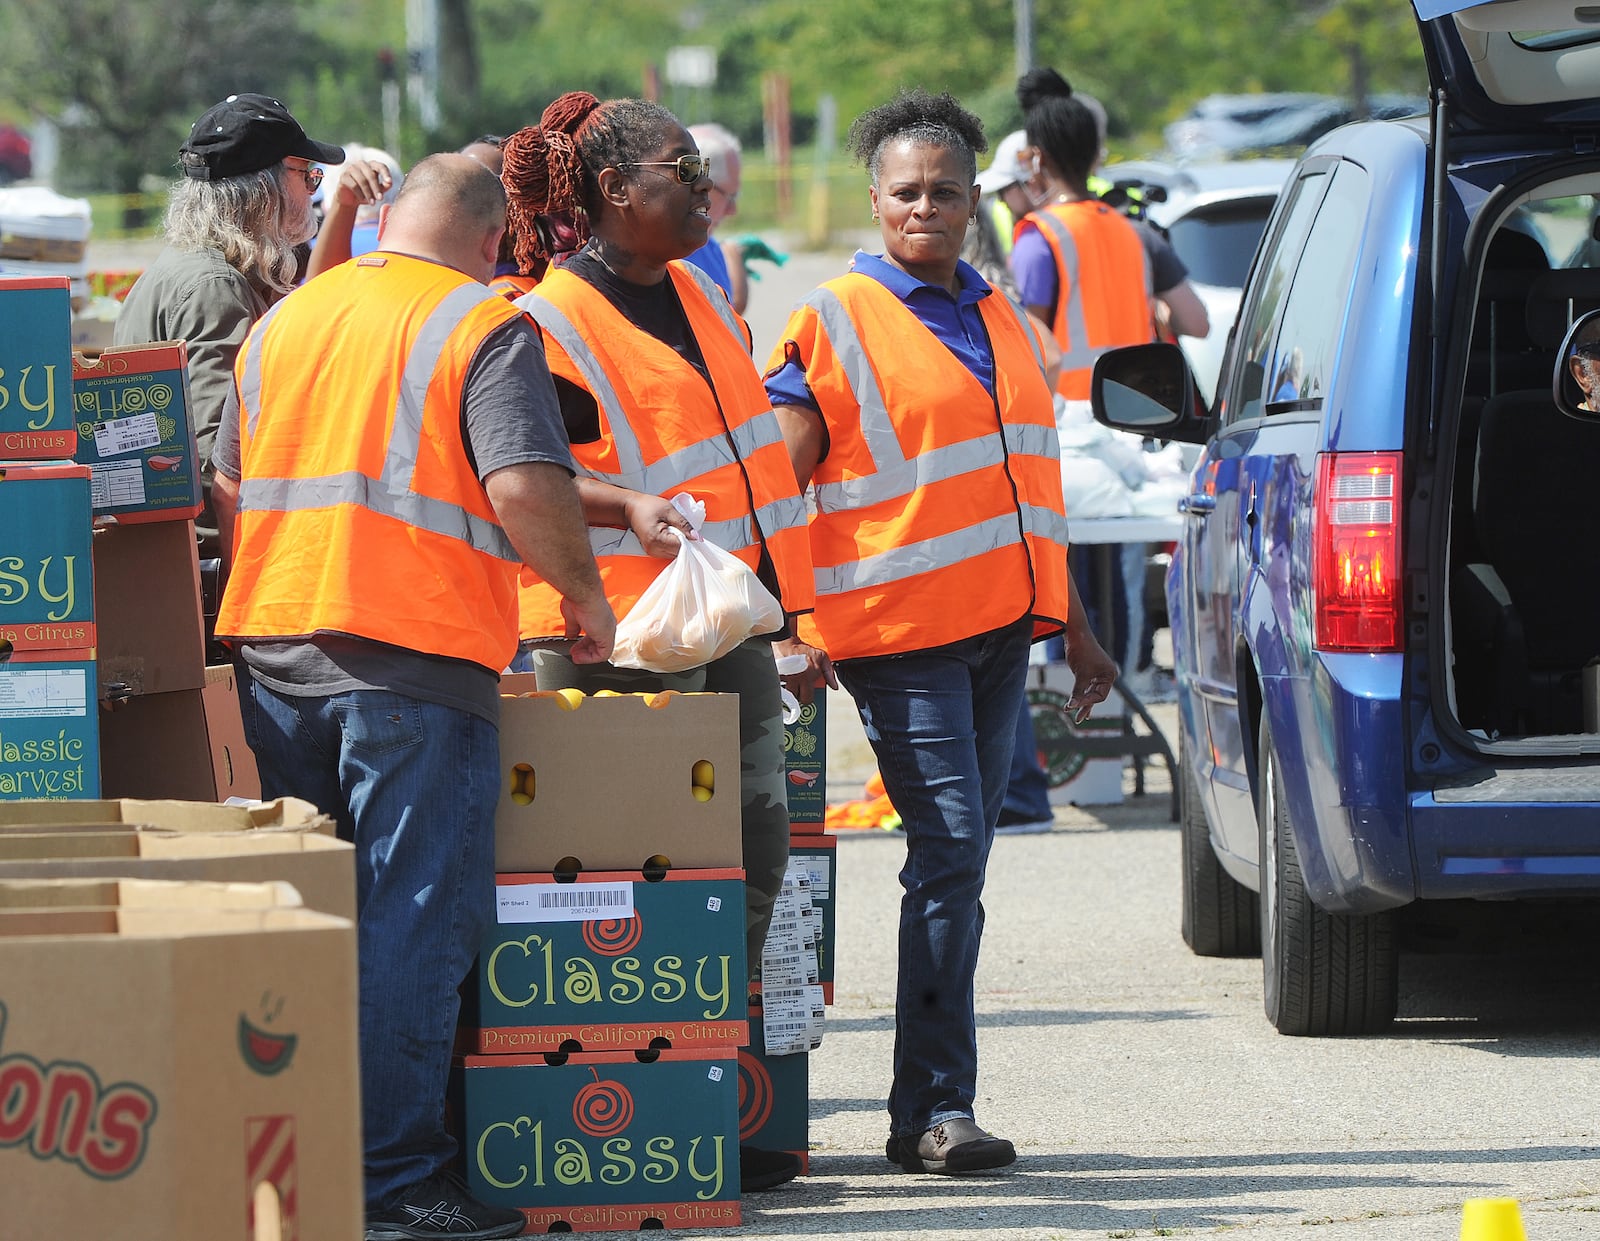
{"x": 652, "y": 308}
{"x": 656, "y": 310}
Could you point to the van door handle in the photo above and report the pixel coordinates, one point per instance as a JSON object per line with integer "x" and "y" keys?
{"x": 1198, "y": 505}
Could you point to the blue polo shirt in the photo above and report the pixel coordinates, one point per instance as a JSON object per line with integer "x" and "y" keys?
{"x": 956, "y": 322}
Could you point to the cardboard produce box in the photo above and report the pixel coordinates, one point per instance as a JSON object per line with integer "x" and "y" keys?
{"x": 611, "y": 784}
{"x": 147, "y": 590}
{"x": 187, "y": 745}
{"x": 774, "y": 1097}
{"x": 179, "y": 1075}
{"x": 36, "y": 367}
{"x": 49, "y": 728}
{"x": 805, "y": 753}
{"x": 144, "y": 894}
{"x": 609, "y": 962}
{"x": 233, "y": 764}
{"x": 603, "y": 1142}
{"x": 319, "y": 867}
{"x": 47, "y": 599}
{"x": 289, "y": 813}
{"x": 136, "y": 432}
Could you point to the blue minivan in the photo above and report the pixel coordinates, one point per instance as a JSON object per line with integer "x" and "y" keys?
{"x": 1385, "y": 608}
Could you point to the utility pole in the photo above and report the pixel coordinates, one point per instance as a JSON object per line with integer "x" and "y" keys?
{"x": 1023, "y": 11}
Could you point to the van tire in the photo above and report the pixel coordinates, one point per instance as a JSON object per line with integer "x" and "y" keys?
{"x": 1221, "y": 917}
{"x": 1322, "y": 974}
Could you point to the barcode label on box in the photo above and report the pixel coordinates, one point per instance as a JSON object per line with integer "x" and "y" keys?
{"x": 120, "y": 435}
{"x": 563, "y": 902}
{"x": 26, "y": 693}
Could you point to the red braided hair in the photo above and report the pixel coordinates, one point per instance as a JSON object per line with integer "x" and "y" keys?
{"x": 543, "y": 175}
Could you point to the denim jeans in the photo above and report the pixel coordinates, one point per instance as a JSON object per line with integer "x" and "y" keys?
{"x": 413, "y": 785}
{"x": 750, "y": 672}
{"x": 942, "y": 724}
{"x": 1027, "y": 786}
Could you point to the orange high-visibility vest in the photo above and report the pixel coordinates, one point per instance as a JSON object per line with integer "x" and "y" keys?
{"x": 663, "y": 431}
{"x": 1102, "y": 285}
{"x": 513, "y": 285}
{"x": 359, "y": 512}
{"x": 938, "y": 507}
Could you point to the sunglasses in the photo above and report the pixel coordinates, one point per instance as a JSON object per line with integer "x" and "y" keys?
{"x": 313, "y": 173}
{"x": 690, "y": 168}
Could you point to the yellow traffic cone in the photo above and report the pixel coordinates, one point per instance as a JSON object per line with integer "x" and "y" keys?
{"x": 1491, "y": 1219}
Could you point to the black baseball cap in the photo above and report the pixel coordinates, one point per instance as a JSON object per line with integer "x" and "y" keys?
{"x": 246, "y": 133}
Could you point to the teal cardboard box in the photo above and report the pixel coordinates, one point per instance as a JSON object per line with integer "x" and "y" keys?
{"x": 36, "y": 368}
{"x": 774, "y": 1097}
{"x": 610, "y": 961}
{"x": 815, "y": 857}
{"x": 135, "y": 432}
{"x": 603, "y": 1142}
{"x": 805, "y": 752}
{"x": 46, "y": 559}
{"x": 49, "y": 730}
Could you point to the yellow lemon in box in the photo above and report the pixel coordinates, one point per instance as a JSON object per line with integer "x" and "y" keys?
{"x": 700, "y": 792}
{"x": 703, "y": 774}
{"x": 522, "y": 784}
{"x": 570, "y": 699}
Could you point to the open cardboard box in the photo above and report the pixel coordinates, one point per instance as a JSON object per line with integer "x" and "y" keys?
{"x": 610, "y": 783}
{"x": 180, "y": 1074}
{"x": 319, "y": 867}
{"x": 144, "y": 894}
{"x": 186, "y": 744}
{"x": 290, "y": 813}
{"x": 147, "y": 602}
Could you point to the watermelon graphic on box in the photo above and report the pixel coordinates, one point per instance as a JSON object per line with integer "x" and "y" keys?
{"x": 135, "y": 431}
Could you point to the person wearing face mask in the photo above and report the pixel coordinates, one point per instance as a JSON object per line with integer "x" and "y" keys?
{"x": 914, "y": 403}
{"x": 660, "y": 397}
{"x": 233, "y": 224}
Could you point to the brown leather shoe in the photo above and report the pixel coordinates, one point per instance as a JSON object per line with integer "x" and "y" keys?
{"x": 956, "y": 1146}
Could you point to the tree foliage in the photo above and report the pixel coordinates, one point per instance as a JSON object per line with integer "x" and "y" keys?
{"x": 136, "y": 75}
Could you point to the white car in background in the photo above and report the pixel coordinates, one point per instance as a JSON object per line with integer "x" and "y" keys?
{"x": 1214, "y": 214}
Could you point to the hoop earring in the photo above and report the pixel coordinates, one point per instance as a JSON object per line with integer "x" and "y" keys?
{"x": 874, "y": 217}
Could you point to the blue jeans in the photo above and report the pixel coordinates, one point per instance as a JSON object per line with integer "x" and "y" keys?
{"x": 942, "y": 724}
{"x": 1027, "y": 787}
{"x": 414, "y": 785}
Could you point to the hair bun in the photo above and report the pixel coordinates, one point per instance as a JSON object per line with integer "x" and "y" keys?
{"x": 568, "y": 112}
{"x": 1037, "y": 85}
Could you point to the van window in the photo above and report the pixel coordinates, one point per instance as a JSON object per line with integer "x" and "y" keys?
{"x": 1302, "y": 359}
{"x": 1259, "y": 318}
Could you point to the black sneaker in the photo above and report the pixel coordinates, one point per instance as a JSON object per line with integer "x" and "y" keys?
{"x": 441, "y": 1206}
{"x": 759, "y": 1169}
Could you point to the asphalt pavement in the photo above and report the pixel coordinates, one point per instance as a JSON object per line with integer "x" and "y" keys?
{"x": 1145, "y": 1091}
{"x": 1144, "y": 1088}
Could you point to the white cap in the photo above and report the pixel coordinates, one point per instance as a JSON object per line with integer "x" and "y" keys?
{"x": 1008, "y": 167}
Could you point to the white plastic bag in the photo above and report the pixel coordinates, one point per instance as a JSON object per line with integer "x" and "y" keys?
{"x": 699, "y": 608}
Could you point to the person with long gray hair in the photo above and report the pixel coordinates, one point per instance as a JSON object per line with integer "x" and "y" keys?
{"x": 233, "y": 225}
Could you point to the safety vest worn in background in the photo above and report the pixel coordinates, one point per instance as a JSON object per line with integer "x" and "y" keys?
{"x": 1102, "y": 286}
{"x": 663, "y": 431}
{"x": 358, "y": 510}
{"x": 939, "y": 512}
{"x": 513, "y": 285}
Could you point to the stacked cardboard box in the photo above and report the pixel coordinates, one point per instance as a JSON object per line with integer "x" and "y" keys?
{"x": 181, "y": 1062}
{"x": 797, "y": 963}
{"x": 598, "y": 1087}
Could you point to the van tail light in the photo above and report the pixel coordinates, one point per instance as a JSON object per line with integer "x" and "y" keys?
{"x": 1355, "y": 536}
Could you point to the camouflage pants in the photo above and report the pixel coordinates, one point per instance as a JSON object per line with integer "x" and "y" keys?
{"x": 749, "y": 671}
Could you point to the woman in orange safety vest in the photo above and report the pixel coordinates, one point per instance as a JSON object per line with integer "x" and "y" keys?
{"x": 913, "y": 398}
{"x": 661, "y": 397}
{"x": 1079, "y": 264}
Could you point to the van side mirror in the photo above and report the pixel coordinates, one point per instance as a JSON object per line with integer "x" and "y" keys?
{"x": 1149, "y": 390}
{"x": 1575, "y": 381}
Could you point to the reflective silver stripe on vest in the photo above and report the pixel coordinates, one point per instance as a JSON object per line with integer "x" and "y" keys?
{"x": 1078, "y": 354}
{"x": 250, "y": 380}
{"x": 1046, "y": 523}
{"x": 390, "y": 494}
{"x": 451, "y": 521}
{"x": 922, "y": 557}
{"x": 729, "y": 535}
{"x": 656, "y": 479}
{"x": 718, "y": 299}
{"x": 1026, "y": 324}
